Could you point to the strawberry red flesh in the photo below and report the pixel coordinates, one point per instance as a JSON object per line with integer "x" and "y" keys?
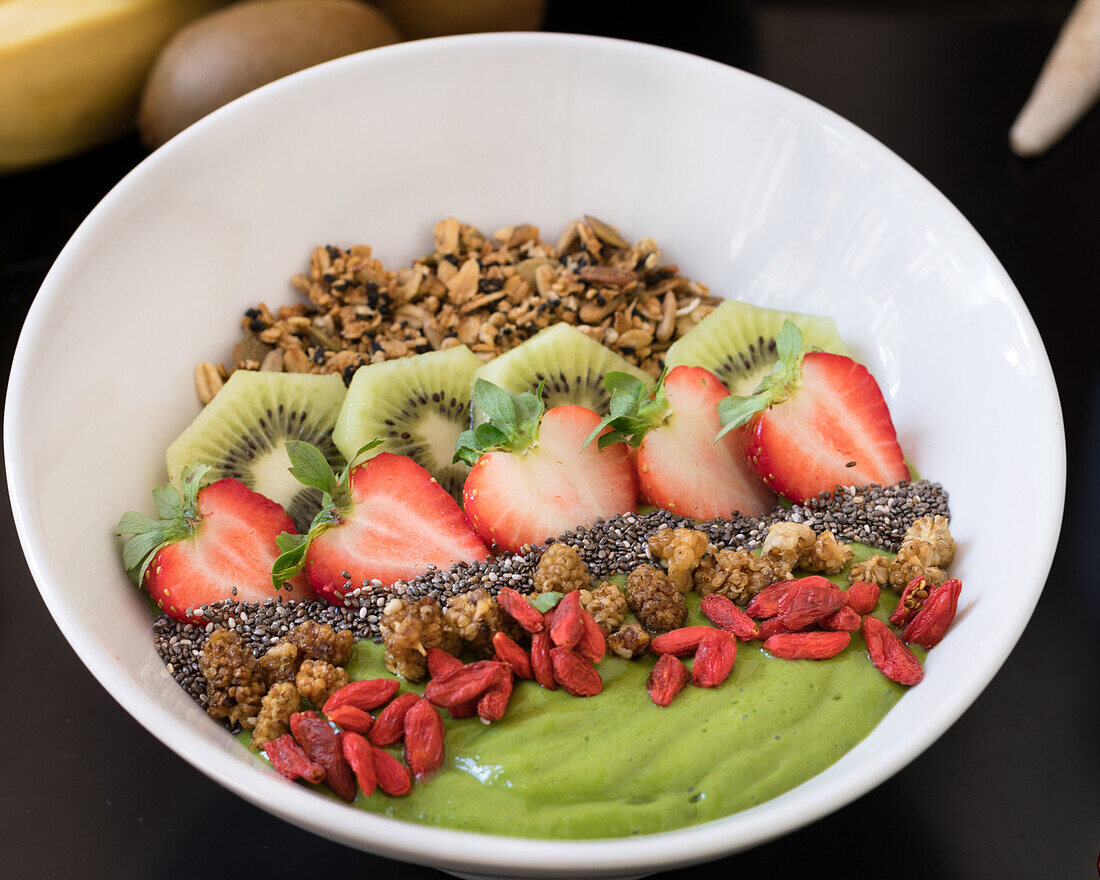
{"x": 556, "y": 484}
{"x": 400, "y": 521}
{"x": 228, "y": 556}
{"x": 834, "y": 429}
{"x": 680, "y": 466}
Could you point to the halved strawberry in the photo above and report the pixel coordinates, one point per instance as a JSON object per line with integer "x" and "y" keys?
{"x": 387, "y": 520}
{"x": 680, "y": 466}
{"x": 817, "y": 422}
{"x": 212, "y": 543}
{"x": 532, "y": 477}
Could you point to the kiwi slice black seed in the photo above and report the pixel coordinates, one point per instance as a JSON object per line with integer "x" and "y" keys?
{"x": 417, "y": 406}
{"x": 242, "y": 433}
{"x": 736, "y": 342}
{"x": 570, "y": 363}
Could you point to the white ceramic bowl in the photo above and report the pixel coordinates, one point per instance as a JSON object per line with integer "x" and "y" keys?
{"x": 758, "y": 192}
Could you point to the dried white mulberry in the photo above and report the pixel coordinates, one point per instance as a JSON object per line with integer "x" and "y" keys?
{"x": 561, "y": 570}
{"x": 279, "y": 703}
{"x": 789, "y": 542}
{"x": 656, "y": 601}
{"x": 934, "y": 531}
{"x": 318, "y": 680}
{"x": 607, "y": 604}
{"x": 739, "y": 574}
{"x": 681, "y": 550}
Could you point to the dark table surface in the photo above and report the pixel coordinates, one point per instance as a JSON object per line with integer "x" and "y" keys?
{"x": 1012, "y": 790}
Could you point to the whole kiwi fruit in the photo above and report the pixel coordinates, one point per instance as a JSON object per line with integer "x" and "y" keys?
{"x": 227, "y": 53}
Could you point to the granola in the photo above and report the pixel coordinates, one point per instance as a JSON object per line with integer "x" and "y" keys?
{"x": 488, "y": 292}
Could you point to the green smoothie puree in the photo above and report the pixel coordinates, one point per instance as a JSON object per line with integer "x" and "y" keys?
{"x": 616, "y": 765}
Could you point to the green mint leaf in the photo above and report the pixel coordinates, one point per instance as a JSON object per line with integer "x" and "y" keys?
{"x": 733, "y": 412}
{"x": 498, "y": 405}
{"x": 310, "y": 467}
{"x": 545, "y": 601}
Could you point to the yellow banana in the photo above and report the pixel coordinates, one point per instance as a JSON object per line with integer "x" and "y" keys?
{"x": 71, "y": 71}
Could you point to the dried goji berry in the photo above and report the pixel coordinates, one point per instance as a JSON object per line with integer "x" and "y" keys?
{"x": 389, "y": 726}
{"x": 440, "y": 662}
{"x": 367, "y": 694}
{"x": 912, "y": 598}
{"x": 350, "y": 718}
{"x": 290, "y": 759}
{"x": 510, "y": 653}
{"x": 807, "y": 645}
{"x": 680, "y": 642}
{"x": 667, "y": 679}
{"x": 541, "y": 664}
{"x": 319, "y": 741}
{"x": 765, "y": 604}
{"x": 593, "y": 643}
{"x": 721, "y": 611}
{"x": 842, "y": 620}
{"x": 464, "y": 710}
{"x": 522, "y": 611}
{"x": 393, "y": 776}
{"x": 567, "y": 625}
{"x": 807, "y": 601}
{"x": 494, "y": 702}
{"x": 360, "y": 757}
{"x": 889, "y": 655}
{"x": 465, "y": 684}
{"x": 770, "y": 627}
{"x": 863, "y": 597}
{"x": 714, "y": 659}
{"x": 575, "y": 674}
{"x": 928, "y": 626}
{"x": 423, "y": 738}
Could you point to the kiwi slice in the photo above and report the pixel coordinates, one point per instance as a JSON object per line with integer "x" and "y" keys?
{"x": 417, "y": 406}
{"x": 736, "y": 342}
{"x": 242, "y": 433}
{"x": 571, "y": 364}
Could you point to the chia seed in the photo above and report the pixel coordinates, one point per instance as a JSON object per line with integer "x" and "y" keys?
{"x": 874, "y": 515}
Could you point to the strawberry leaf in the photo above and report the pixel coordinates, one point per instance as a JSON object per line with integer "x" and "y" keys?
{"x": 309, "y": 466}
{"x": 733, "y": 412}
{"x": 635, "y": 407}
{"x": 498, "y": 405}
{"x": 512, "y": 425}
{"x": 788, "y": 343}
{"x": 178, "y": 510}
{"x": 291, "y": 559}
{"x": 489, "y": 435}
{"x": 168, "y": 501}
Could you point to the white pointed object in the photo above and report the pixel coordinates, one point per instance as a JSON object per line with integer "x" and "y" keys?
{"x": 1068, "y": 84}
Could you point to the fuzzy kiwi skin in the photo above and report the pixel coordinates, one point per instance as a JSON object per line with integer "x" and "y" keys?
{"x": 223, "y": 55}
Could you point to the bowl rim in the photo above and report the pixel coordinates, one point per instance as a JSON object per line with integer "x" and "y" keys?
{"x": 468, "y": 851}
